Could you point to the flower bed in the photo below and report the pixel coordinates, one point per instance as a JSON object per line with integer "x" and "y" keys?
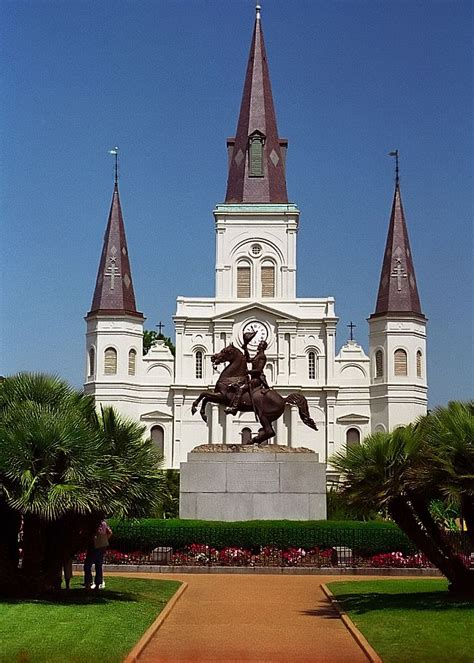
{"x": 198, "y": 554}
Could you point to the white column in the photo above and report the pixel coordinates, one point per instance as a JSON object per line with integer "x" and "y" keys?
{"x": 228, "y": 430}
{"x": 293, "y": 437}
{"x": 330, "y": 351}
{"x": 280, "y": 431}
{"x": 330, "y": 426}
{"x": 214, "y": 429}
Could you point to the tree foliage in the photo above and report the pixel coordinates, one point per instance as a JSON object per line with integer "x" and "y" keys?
{"x": 150, "y": 337}
{"x": 406, "y": 470}
{"x": 62, "y": 467}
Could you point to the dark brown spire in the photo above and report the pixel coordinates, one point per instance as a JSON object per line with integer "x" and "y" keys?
{"x": 114, "y": 288}
{"x": 398, "y": 292}
{"x": 257, "y": 154}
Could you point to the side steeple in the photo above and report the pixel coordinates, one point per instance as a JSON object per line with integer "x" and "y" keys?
{"x": 113, "y": 292}
{"x": 397, "y": 332}
{"x": 257, "y": 154}
{"x": 398, "y": 292}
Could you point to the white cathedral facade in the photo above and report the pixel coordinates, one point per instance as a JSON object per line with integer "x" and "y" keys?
{"x": 349, "y": 393}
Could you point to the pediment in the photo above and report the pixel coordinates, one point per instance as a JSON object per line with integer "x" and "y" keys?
{"x": 352, "y": 419}
{"x": 254, "y": 308}
{"x": 155, "y": 415}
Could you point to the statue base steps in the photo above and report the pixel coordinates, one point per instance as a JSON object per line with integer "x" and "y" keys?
{"x": 234, "y": 482}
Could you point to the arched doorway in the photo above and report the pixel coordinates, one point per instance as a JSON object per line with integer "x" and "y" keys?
{"x": 352, "y": 438}
{"x": 246, "y": 435}
{"x": 157, "y": 435}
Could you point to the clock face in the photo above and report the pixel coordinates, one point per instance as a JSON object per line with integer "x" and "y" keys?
{"x": 261, "y": 335}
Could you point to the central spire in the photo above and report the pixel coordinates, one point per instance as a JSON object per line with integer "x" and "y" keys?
{"x": 257, "y": 154}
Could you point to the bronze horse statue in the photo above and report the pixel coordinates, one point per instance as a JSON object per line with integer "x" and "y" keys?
{"x": 267, "y": 404}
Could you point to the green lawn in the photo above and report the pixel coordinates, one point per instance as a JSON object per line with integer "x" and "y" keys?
{"x": 410, "y": 621}
{"x": 82, "y": 625}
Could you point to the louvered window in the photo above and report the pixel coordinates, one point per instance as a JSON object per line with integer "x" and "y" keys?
{"x": 91, "y": 372}
{"x": 352, "y": 438}
{"x": 312, "y": 365}
{"x": 400, "y": 362}
{"x": 110, "y": 361}
{"x": 243, "y": 281}
{"x": 132, "y": 361}
{"x": 199, "y": 365}
{"x": 379, "y": 364}
{"x": 256, "y": 156}
{"x": 419, "y": 364}
{"x": 268, "y": 281}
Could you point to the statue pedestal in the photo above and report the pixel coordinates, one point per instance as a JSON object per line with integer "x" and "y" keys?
{"x": 234, "y": 482}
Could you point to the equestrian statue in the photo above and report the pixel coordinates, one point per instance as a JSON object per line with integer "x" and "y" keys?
{"x": 241, "y": 389}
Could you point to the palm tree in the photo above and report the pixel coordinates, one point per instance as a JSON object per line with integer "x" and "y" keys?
{"x": 62, "y": 467}
{"x": 446, "y": 467}
{"x": 381, "y": 470}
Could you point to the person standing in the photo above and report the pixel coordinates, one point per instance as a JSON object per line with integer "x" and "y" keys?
{"x": 95, "y": 557}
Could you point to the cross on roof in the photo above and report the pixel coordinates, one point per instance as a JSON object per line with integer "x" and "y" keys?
{"x": 352, "y": 326}
{"x": 160, "y": 326}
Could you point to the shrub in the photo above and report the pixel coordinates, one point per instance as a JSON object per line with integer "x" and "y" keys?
{"x": 367, "y": 538}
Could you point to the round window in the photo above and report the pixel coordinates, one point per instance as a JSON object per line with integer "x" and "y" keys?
{"x": 256, "y": 249}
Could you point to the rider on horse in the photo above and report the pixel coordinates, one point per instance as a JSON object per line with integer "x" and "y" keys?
{"x": 256, "y": 375}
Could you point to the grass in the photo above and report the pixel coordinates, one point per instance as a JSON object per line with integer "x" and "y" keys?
{"x": 82, "y": 626}
{"x": 412, "y": 621}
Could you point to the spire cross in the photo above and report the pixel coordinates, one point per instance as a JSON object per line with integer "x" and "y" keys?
{"x": 397, "y": 170}
{"x": 160, "y": 326}
{"x": 115, "y": 152}
{"x": 398, "y": 273}
{"x": 112, "y": 271}
{"x": 352, "y": 326}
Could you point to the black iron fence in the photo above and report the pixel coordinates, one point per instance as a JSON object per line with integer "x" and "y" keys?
{"x": 292, "y": 546}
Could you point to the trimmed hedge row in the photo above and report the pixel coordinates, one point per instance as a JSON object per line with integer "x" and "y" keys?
{"x": 366, "y": 538}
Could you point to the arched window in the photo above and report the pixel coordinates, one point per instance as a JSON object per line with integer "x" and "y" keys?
{"x": 158, "y": 438}
{"x": 198, "y": 364}
{"x": 268, "y": 279}
{"x": 256, "y": 155}
{"x": 132, "y": 362}
{"x": 352, "y": 438}
{"x": 243, "y": 280}
{"x": 246, "y": 435}
{"x": 110, "y": 361}
{"x": 419, "y": 364}
{"x": 379, "y": 364}
{"x": 91, "y": 371}
{"x": 312, "y": 365}
{"x": 400, "y": 362}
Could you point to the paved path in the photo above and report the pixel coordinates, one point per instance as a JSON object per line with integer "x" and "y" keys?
{"x": 252, "y": 619}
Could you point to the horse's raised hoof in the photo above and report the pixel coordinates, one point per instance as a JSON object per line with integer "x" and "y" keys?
{"x": 193, "y": 409}
{"x": 204, "y": 417}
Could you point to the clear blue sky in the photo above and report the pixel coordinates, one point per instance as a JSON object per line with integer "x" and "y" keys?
{"x": 163, "y": 81}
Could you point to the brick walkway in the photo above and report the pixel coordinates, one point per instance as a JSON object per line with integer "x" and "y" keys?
{"x": 252, "y": 619}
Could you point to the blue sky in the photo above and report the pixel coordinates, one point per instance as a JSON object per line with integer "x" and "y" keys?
{"x": 162, "y": 80}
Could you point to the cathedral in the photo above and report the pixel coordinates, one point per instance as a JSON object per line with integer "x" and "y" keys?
{"x": 349, "y": 393}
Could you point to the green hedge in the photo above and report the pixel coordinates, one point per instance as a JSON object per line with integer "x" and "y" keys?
{"x": 366, "y": 538}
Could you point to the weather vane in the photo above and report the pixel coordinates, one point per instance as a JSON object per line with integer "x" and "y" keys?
{"x": 115, "y": 152}
{"x": 397, "y": 172}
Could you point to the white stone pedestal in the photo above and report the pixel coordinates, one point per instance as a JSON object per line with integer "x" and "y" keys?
{"x": 234, "y": 482}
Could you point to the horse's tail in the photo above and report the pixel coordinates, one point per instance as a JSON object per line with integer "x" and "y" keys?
{"x": 298, "y": 399}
